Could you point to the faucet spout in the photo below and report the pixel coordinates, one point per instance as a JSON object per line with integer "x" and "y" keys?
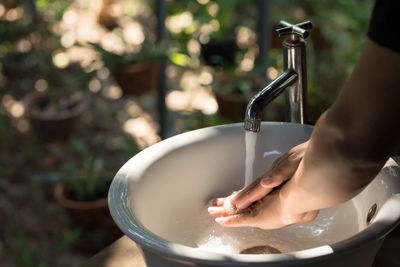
{"x": 254, "y": 109}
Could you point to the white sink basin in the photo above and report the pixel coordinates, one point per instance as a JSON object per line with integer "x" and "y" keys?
{"x": 158, "y": 199}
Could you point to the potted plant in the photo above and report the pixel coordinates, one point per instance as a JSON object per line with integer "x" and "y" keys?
{"x": 81, "y": 189}
{"x": 50, "y": 92}
{"x": 136, "y": 73}
{"x": 53, "y": 113}
{"x": 10, "y": 3}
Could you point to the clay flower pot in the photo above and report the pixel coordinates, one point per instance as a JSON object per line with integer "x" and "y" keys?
{"x": 51, "y": 126}
{"x": 138, "y": 79}
{"x": 10, "y": 3}
{"x": 91, "y": 215}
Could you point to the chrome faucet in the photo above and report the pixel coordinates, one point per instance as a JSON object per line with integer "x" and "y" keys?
{"x": 293, "y": 79}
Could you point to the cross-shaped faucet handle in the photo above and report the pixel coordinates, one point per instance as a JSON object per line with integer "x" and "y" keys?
{"x": 296, "y": 29}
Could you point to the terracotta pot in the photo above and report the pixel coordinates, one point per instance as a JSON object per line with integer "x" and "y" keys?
{"x": 219, "y": 52}
{"x": 10, "y": 3}
{"x": 138, "y": 79}
{"x": 232, "y": 106}
{"x": 89, "y": 216}
{"x": 51, "y": 126}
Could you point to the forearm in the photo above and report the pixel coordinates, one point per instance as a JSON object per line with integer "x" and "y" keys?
{"x": 353, "y": 139}
{"x": 327, "y": 176}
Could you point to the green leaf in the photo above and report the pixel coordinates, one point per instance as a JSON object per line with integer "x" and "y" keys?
{"x": 42, "y": 3}
{"x": 179, "y": 59}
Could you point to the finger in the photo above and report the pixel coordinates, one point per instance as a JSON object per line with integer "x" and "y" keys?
{"x": 237, "y": 220}
{"x": 220, "y": 211}
{"x": 245, "y": 191}
{"x": 248, "y": 197}
{"x": 276, "y": 178}
{"x": 219, "y": 202}
{"x": 280, "y": 174}
{"x": 254, "y": 191}
{"x": 223, "y": 201}
{"x": 263, "y": 186}
{"x": 282, "y": 169}
{"x": 277, "y": 162}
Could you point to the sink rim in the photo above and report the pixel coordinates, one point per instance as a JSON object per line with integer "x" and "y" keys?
{"x": 132, "y": 228}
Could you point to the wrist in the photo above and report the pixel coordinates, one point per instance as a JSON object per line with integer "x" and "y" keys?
{"x": 289, "y": 216}
{"x": 287, "y": 210}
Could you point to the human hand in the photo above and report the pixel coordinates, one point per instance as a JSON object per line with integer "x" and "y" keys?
{"x": 266, "y": 213}
{"x": 281, "y": 170}
{"x": 255, "y": 206}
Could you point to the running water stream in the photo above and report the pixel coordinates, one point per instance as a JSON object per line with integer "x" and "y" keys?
{"x": 250, "y": 141}
{"x": 232, "y": 240}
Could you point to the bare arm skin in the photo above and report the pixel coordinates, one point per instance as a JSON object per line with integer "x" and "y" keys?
{"x": 348, "y": 147}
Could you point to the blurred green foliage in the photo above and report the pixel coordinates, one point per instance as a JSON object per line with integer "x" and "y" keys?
{"x": 86, "y": 178}
{"x": 25, "y": 256}
{"x": 83, "y": 169}
{"x": 149, "y": 52}
{"x": 27, "y": 47}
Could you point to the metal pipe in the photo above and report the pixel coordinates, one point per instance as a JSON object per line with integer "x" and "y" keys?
{"x": 263, "y": 31}
{"x": 254, "y": 109}
{"x": 161, "y": 12}
{"x": 294, "y": 57}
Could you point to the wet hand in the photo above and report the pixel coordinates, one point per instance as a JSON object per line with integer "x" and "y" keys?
{"x": 282, "y": 169}
{"x": 266, "y": 213}
{"x": 249, "y": 206}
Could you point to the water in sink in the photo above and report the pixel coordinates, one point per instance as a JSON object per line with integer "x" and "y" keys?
{"x": 331, "y": 225}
